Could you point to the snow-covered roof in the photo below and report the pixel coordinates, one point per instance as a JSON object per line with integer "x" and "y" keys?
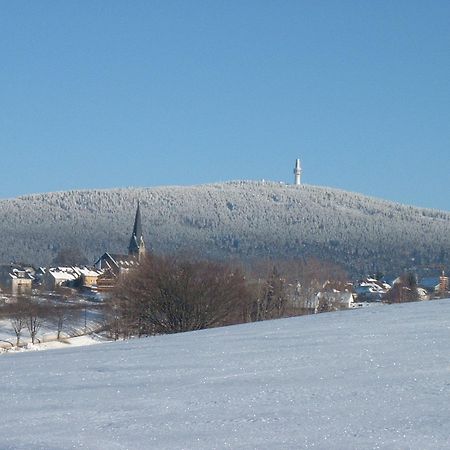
{"x": 63, "y": 273}
{"x": 120, "y": 261}
{"x": 372, "y": 285}
{"x": 336, "y": 296}
{"x": 73, "y": 273}
{"x": 88, "y": 272}
{"x": 20, "y": 274}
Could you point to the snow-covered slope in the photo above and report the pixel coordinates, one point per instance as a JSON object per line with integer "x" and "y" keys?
{"x": 242, "y": 219}
{"x": 371, "y": 378}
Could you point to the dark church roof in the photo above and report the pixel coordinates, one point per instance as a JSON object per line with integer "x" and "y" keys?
{"x": 116, "y": 262}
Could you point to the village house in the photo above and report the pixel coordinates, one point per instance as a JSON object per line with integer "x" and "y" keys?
{"x": 89, "y": 277}
{"x": 56, "y": 277}
{"x": 371, "y": 290}
{"x": 330, "y": 300}
{"x": 16, "y": 278}
{"x": 435, "y": 286}
{"x": 21, "y": 282}
{"x": 73, "y": 276}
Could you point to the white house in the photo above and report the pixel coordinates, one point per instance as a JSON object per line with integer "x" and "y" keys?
{"x": 60, "y": 276}
{"x": 331, "y": 300}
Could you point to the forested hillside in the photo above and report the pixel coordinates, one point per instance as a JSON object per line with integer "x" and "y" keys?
{"x": 234, "y": 219}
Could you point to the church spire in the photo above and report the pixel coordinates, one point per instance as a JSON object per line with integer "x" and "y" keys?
{"x": 137, "y": 245}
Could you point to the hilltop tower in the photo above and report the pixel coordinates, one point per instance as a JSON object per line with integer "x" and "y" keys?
{"x": 137, "y": 245}
{"x": 297, "y": 172}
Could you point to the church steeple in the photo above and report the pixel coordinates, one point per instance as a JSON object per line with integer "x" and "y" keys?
{"x": 137, "y": 245}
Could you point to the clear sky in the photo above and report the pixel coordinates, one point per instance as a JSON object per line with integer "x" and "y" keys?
{"x": 99, "y": 94}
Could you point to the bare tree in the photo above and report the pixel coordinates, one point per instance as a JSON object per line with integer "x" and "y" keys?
{"x": 35, "y": 315}
{"x": 270, "y": 297}
{"x": 18, "y": 323}
{"x": 18, "y": 317}
{"x": 297, "y": 281}
{"x": 404, "y": 290}
{"x": 61, "y": 312}
{"x": 61, "y": 317}
{"x": 168, "y": 295}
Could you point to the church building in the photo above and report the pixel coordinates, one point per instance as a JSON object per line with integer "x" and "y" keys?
{"x": 116, "y": 264}
{"x": 137, "y": 245}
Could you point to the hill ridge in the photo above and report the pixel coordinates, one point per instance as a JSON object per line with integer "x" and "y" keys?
{"x": 239, "y": 218}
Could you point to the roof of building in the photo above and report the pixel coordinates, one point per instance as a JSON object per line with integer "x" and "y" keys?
{"x": 429, "y": 282}
{"x": 89, "y": 272}
{"x": 118, "y": 260}
{"x": 337, "y": 296}
{"x": 21, "y": 274}
{"x": 63, "y": 273}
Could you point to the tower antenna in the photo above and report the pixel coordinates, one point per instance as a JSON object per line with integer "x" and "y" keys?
{"x": 297, "y": 173}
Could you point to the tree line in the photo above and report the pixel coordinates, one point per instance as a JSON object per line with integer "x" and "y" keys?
{"x": 28, "y": 314}
{"x": 170, "y": 294}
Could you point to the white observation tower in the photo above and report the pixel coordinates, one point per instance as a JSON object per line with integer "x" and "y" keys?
{"x": 297, "y": 173}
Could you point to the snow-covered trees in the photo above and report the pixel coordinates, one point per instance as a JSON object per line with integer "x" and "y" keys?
{"x": 69, "y": 256}
{"x": 236, "y": 219}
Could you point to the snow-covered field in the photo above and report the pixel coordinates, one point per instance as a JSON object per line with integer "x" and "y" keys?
{"x": 361, "y": 379}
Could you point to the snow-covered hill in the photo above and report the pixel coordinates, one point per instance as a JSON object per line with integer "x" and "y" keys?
{"x": 362, "y": 379}
{"x": 243, "y": 219}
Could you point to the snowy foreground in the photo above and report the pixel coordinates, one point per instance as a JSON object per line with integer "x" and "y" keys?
{"x": 369, "y": 378}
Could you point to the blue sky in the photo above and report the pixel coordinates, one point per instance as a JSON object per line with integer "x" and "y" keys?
{"x": 99, "y": 94}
